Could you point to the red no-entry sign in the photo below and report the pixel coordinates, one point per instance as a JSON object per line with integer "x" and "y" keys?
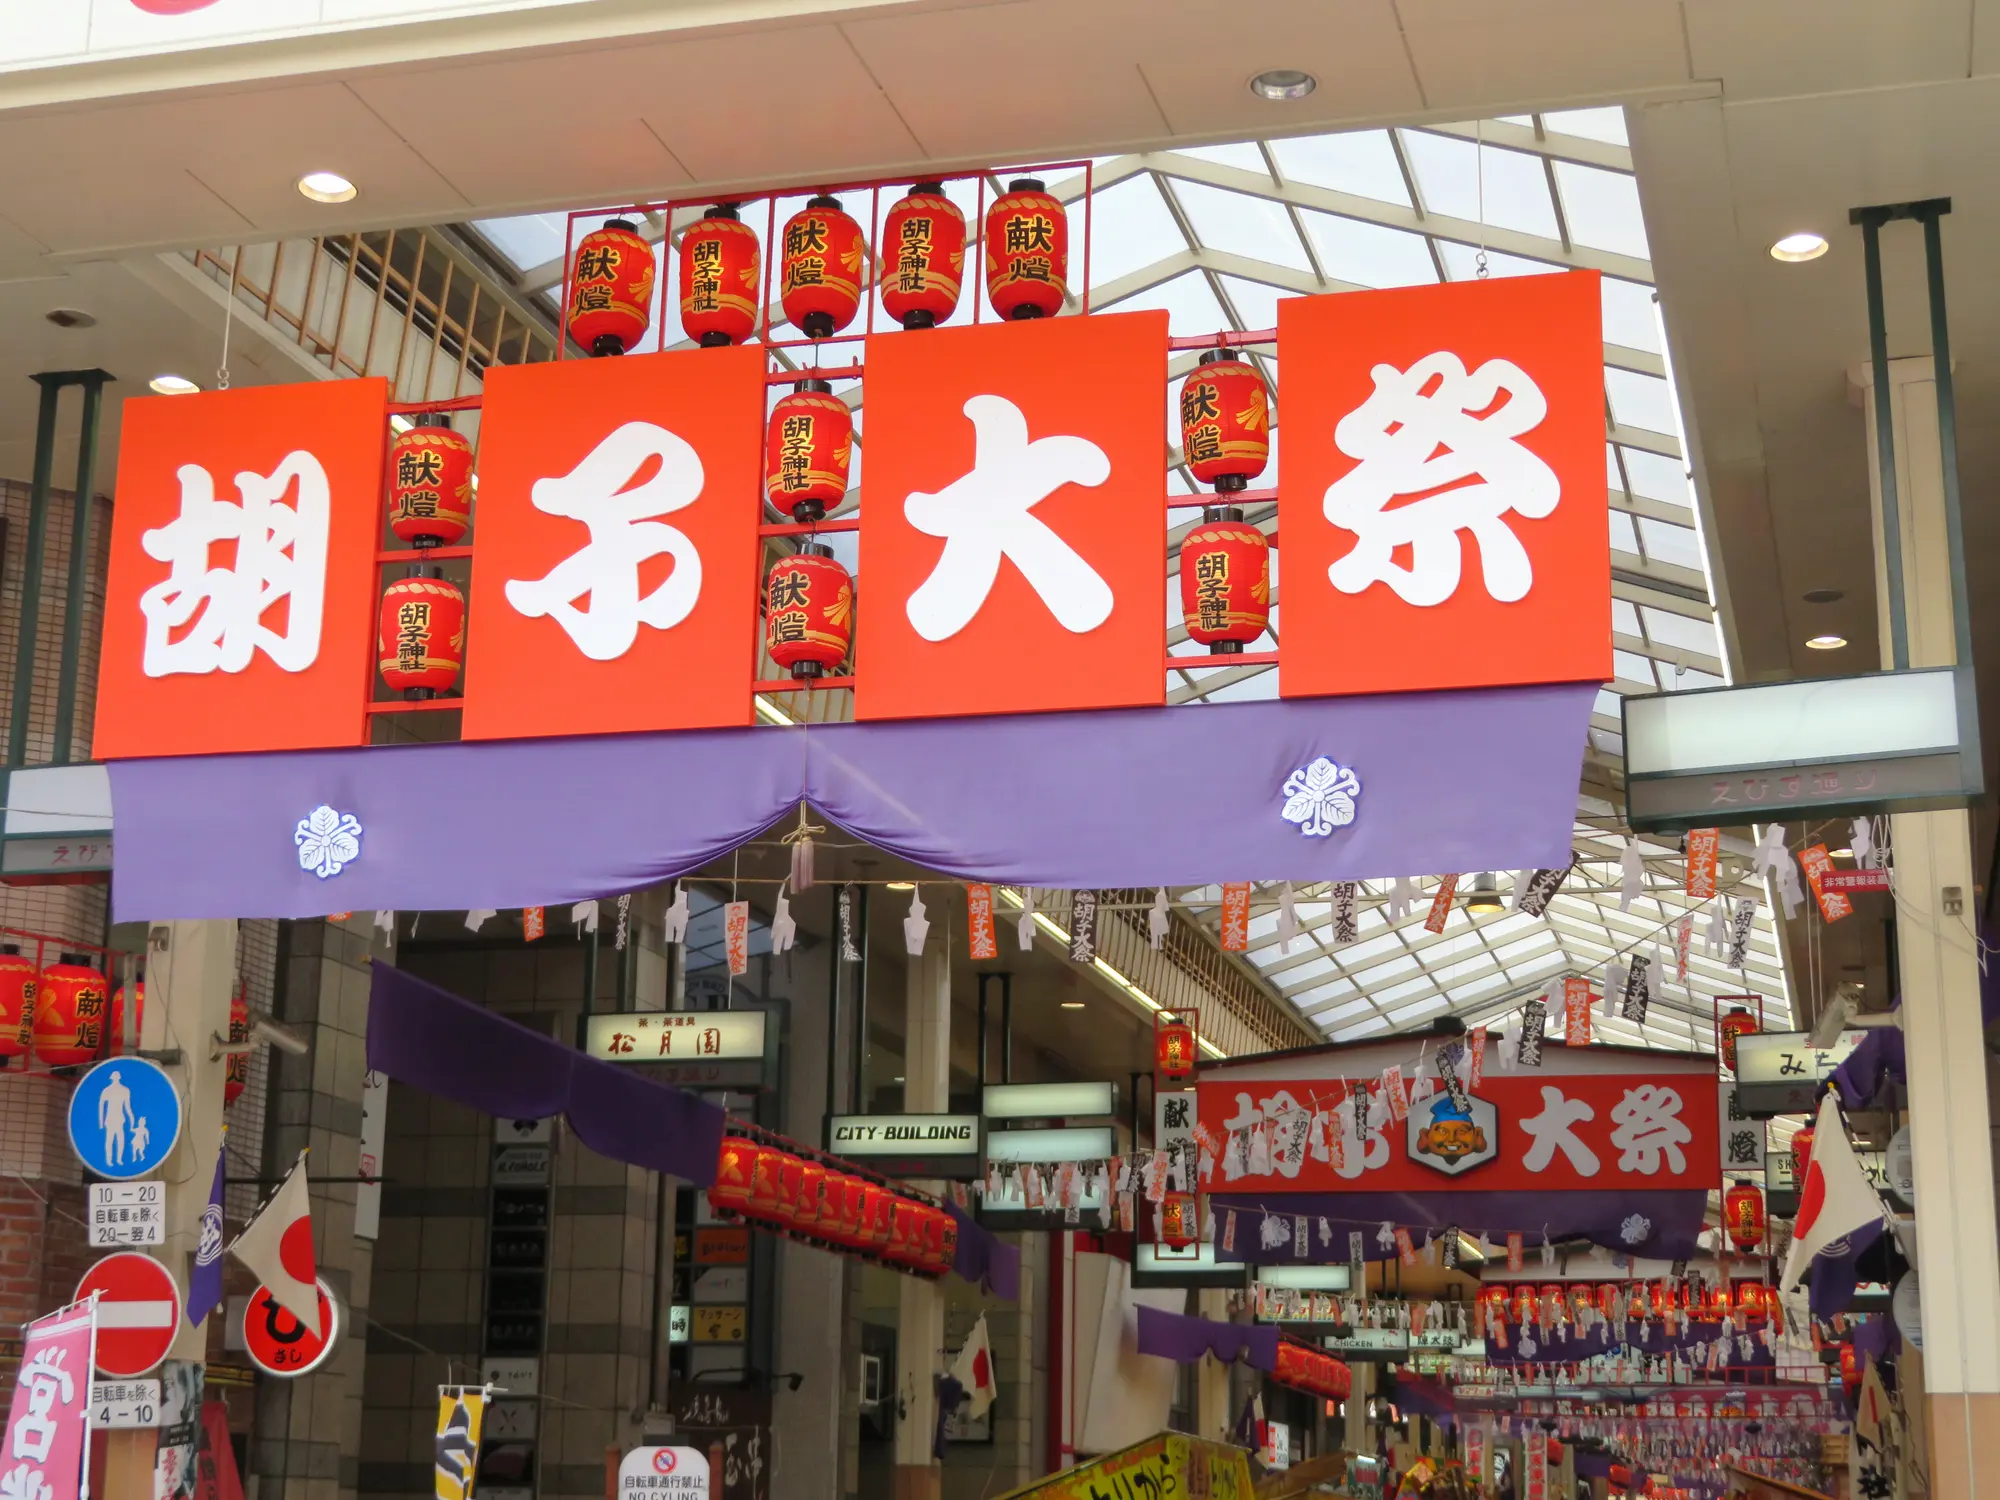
{"x": 138, "y": 1314}
{"x": 279, "y": 1343}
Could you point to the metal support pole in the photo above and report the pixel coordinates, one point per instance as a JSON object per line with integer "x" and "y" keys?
{"x": 31, "y": 574}
{"x": 92, "y": 382}
{"x": 1006, "y": 1028}
{"x": 1871, "y": 221}
{"x": 834, "y": 965}
{"x": 858, "y": 1099}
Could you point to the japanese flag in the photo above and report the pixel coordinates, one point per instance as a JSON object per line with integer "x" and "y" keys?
{"x": 974, "y": 1370}
{"x": 1834, "y": 1200}
{"x": 277, "y": 1246}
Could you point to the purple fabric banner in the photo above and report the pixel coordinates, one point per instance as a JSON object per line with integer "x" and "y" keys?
{"x": 1132, "y": 797}
{"x": 983, "y": 1260}
{"x": 1185, "y": 1339}
{"x": 443, "y": 1044}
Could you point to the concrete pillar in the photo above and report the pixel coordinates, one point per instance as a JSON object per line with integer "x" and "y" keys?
{"x": 920, "y": 1321}
{"x": 1937, "y": 948}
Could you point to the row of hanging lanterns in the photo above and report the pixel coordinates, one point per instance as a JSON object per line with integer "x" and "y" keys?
{"x": 1305, "y": 1368}
{"x": 1225, "y": 562}
{"x": 805, "y": 1199}
{"x": 808, "y": 596}
{"x": 1524, "y": 1302}
{"x": 420, "y": 635}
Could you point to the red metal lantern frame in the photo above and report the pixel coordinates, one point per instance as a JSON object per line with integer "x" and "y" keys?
{"x": 1752, "y": 1003}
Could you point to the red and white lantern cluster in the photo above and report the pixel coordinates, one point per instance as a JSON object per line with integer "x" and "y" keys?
{"x": 820, "y": 1202}
{"x": 1584, "y": 1302}
{"x": 1305, "y": 1368}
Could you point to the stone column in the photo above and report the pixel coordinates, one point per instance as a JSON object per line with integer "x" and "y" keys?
{"x": 920, "y": 1321}
{"x": 1937, "y": 948}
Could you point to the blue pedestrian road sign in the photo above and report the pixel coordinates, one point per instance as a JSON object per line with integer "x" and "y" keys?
{"x": 124, "y": 1118}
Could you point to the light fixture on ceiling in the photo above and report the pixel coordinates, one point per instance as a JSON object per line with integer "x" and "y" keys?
{"x": 1484, "y": 895}
{"x": 1282, "y": 84}
{"x": 1072, "y": 1005}
{"x": 1843, "y": 854}
{"x": 1826, "y": 643}
{"x": 327, "y": 187}
{"x": 1797, "y": 247}
{"x": 902, "y": 885}
{"x": 1823, "y": 596}
{"x": 173, "y": 385}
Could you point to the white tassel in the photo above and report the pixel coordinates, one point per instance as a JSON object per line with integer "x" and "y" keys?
{"x": 1157, "y": 919}
{"x": 916, "y": 926}
{"x": 1288, "y": 918}
{"x": 1861, "y": 839}
{"x": 784, "y": 931}
{"x": 386, "y": 920}
{"x": 583, "y": 916}
{"x": 1402, "y": 891}
{"x": 1773, "y": 858}
{"x": 1631, "y": 876}
{"x": 1024, "y": 927}
{"x": 474, "y": 920}
{"x": 674, "y": 925}
{"x": 1521, "y": 878}
{"x": 1718, "y": 928}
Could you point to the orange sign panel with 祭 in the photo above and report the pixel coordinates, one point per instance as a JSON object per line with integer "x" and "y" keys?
{"x": 241, "y": 600}
{"x": 615, "y": 571}
{"x": 1013, "y": 523}
{"x": 1442, "y": 487}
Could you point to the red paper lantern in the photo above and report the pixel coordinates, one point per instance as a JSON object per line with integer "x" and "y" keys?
{"x": 735, "y": 1167}
{"x": 940, "y": 1241}
{"x": 1174, "y": 1048}
{"x": 923, "y": 257}
{"x": 1607, "y": 1298}
{"x": 17, "y": 1001}
{"x": 1850, "y": 1366}
{"x": 721, "y": 267}
{"x": 116, "y": 1025}
{"x": 236, "y": 1067}
{"x": 1225, "y": 581}
{"x": 1524, "y": 1304}
{"x": 1553, "y": 1301}
{"x": 767, "y": 1183}
{"x": 1287, "y": 1370}
{"x": 1493, "y": 1298}
{"x": 611, "y": 288}
{"x": 70, "y": 1008}
{"x": 430, "y": 482}
{"x": 1620, "y": 1477}
{"x": 1743, "y": 1215}
{"x": 1738, "y": 1022}
{"x": 819, "y": 281}
{"x": 1802, "y": 1144}
{"x": 881, "y": 1225}
{"x": 808, "y": 1202}
{"x": 422, "y": 635}
{"x": 1027, "y": 252}
{"x": 906, "y": 1233}
{"x": 853, "y": 1211}
{"x": 808, "y": 611}
{"x": 808, "y": 446}
{"x": 1753, "y": 1297}
{"x": 1180, "y": 1220}
{"x": 1225, "y": 421}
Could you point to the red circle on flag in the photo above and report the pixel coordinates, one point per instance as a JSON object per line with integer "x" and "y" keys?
{"x": 1812, "y": 1198}
{"x": 295, "y": 1250}
{"x": 279, "y": 1344}
{"x": 138, "y": 1313}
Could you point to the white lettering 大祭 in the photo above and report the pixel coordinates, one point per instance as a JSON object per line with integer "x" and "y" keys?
{"x": 1648, "y": 1126}
{"x": 1555, "y": 1128}
{"x": 600, "y": 493}
{"x": 47, "y": 1382}
{"x": 218, "y": 613}
{"x": 1420, "y": 430}
{"x": 987, "y": 514}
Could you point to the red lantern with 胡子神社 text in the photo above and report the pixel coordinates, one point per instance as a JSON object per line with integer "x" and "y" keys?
{"x": 819, "y": 280}
{"x": 1173, "y": 1046}
{"x": 1180, "y": 1220}
{"x": 1737, "y": 1023}
{"x": 1743, "y": 1215}
{"x": 720, "y": 270}
{"x": 1027, "y": 252}
{"x": 430, "y": 482}
{"x": 808, "y": 612}
{"x": 422, "y": 636}
{"x": 70, "y": 1008}
{"x": 923, "y": 257}
{"x": 17, "y": 1001}
{"x": 1225, "y": 421}
{"x": 1225, "y": 581}
{"x": 611, "y": 288}
{"x": 808, "y": 447}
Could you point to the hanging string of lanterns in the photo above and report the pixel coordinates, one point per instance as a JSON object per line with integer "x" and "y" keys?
{"x": 1225, "y": 562}
{"x": 824, "y": 1201}
{"x": 611, "y": 289}
{"x": 1308, "y": 1369}
{"x": 923, "y": 257}
{"x": 721, "y": 269}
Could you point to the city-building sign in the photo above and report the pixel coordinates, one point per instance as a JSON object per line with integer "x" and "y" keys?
{"x": 908, "y": 1145}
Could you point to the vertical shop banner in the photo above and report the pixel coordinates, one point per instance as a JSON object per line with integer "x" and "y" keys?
{"x": 1012, "y": 512}
{"x": 982, "y": 941}
{"x": 1832, "y": 904}
{"x": 461, "y": 1418}
{"x": 736, "y": 936}
{"x": 1236, "y": 916}
{"x": 1704, "y": 847}
{"x": 1442, "y": 481}
{"x": 239, "y": 605}
{"x": 614, "y": 581}
{"x": 48, "y": 1420}
{"x": 1440, "y": 911}
{"x": 1576, "y": 1012}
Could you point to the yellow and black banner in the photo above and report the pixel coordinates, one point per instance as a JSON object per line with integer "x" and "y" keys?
{"x": 461, "y": 1415}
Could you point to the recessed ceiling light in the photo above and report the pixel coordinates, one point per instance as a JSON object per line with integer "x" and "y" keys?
{"x": 1843, "y": 854}
{"x": 1072, "y": 1005}
{"x": 1823, "y": 596}
{"x": 1826, "y": 642}
{"x": 70, "y": 317}
{"x": 1797, "y": 247}
{"x": 173, "y": 385}
{"x": 327, "y": 187}
{"x": 1281, "y": 84}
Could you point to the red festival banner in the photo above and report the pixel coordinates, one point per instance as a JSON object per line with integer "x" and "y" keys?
{"x": 48, "y": 1420}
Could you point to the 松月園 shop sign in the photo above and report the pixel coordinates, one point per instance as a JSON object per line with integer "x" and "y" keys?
{"x": 714, "y": 1047}
{"x": 1442, "y": 480}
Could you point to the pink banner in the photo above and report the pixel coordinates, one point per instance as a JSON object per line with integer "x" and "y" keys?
{"x": 48, "y": 1422}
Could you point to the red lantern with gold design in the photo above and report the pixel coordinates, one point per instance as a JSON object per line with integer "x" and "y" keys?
{"x": 1493, "y": 1297}
{"x": 236, "y": 1067}
{"x": 1743, "y": 1215}
{"x": 906, "y": 1232}
{"x": 735, "y": 1166}
{"x": 1850, "y": 1366}
{"x": 767, "y": 1182}
{"x": 1736, "y": 1023}
{"x": 923, "y": 257}
{"x": 611, "y": 288}
{"x": 808, "y": 611}
{"x": 819, "y": 271}
{"x": 1225, "y": 421}
{"x": 1753, "y": 1297}
{"x": 70, "y": 1007}
{"x": 17, "y": 1001}
{"x": 1173, "y": 1047}
{"x": 1180, "y": 1220}
{"x": 853, "y": 1211}
{"x": 430, "y": 482}
{"x": 422, "y": 635}
{"x": 1287, "y": 1369}
{"x": 1027, "y": 252}
{"x": 115, "y": 1027}
{"x": 808, "y": 447}
{"x": 940, "y": 1241}
{"x": 1225, "y": 581}
{"x": 881, "y": 1226}
{"x": 721, "y": 267}
{"x": 1802, "y": 1144}
{"x": 1525, "y": 1304}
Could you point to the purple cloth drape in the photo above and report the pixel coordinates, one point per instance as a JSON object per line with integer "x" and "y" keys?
{"x": 1878, "y": 1060}
{"x": 443, "y": 1044}
{"x": 1478, "y": 780}
{"x": 983, "y": 1260}
{"x": 1185, "y": 1339}
{"x": 1877, "y": 1338}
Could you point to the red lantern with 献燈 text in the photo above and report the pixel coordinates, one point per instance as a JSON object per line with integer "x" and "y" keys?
{"x": 17, "y": 1001}
{"x": 1225, "y": 581}
{"x": 808, "y": 448}
{"x": 71, "y": 1002}
{"x": 1743, "y": 1215}
{"x": 1736, "y": 1023}
{"x": 923, "y": 257}
{"x": 1174, "y": 1046}
{"x": 236, "y": 1067}
{"x": 1027, "y": 252}
{"x": 430, "y": 482}
{"x": 735, "y": 1166}
{"x": 422, "y": 635}
{"x": 1180, "y": 1220}
{"x": 611, "y": 288}
{"x": 115, "y": 1027}
{"x": 1225, "y": 421}
{"x": 721, "y": 267}
{"x": 819, "y": 280}
{"x": 1802, "y": 1144}
{"x": 808, "y": 611}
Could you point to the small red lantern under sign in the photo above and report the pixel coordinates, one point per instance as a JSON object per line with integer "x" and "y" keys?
{"x": 1736, "y": 1023}
{"x": 809, "y": 611}
{"x": 1225, "y": 581}
{"x": 1180, "y": 1220}
{"x": 422, "y": 636}
{"x": 1173, "y": 1047}
{"x": 808, "y": 447}
{"x": 1743, "y": 1215}
{"x": 1225, "y": 421}
{"x": 430, "y": 482}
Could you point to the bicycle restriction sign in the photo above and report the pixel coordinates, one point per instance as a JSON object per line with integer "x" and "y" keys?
{"x": 279, "y": 1344}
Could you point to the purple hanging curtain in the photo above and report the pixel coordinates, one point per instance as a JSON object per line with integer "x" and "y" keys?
{"x": 445, "y": 1045}
{"x": 1185, "y": 1339}
{"x": 983, "y": 1260}
{"x": 1477, "y": 780}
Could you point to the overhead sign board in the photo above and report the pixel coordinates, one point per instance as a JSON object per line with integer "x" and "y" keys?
{"x": 711, "y": 1047}
{"x": 1055, "y": 1144}
{"x": 124, "y": 1118}
{"x": 1162, "y": 1266}
{"x": 908, "y": 1145}
{"x": 1779, "y": 1072}
{"x": 1049, "y": 1101}
{"x": 1387, "y": 1344}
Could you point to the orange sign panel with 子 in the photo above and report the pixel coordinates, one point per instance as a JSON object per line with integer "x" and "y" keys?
{"x": 1013, "y": 523}
{"x": 1442, "y": 491}
{"x": 615, "y": 572}
{"x": 983, "y": 941}
{"x": 240, "y": 601}
{"x": 1704, "y": 847}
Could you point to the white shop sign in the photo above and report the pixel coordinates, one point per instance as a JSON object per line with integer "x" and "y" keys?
{"x": 125, "y": 1403}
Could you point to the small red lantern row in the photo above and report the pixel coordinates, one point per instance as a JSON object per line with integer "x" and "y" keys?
{"x": 1308, "y": 1369}
{"x": 1525, "y": 1303}
{"x": 808, "y": 1200}
{"x": 1743, "y": 1215}
{"x": 611, "y": 288}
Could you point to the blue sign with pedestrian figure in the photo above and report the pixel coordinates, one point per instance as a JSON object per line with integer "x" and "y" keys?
{"x": 124, "y": 1118}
